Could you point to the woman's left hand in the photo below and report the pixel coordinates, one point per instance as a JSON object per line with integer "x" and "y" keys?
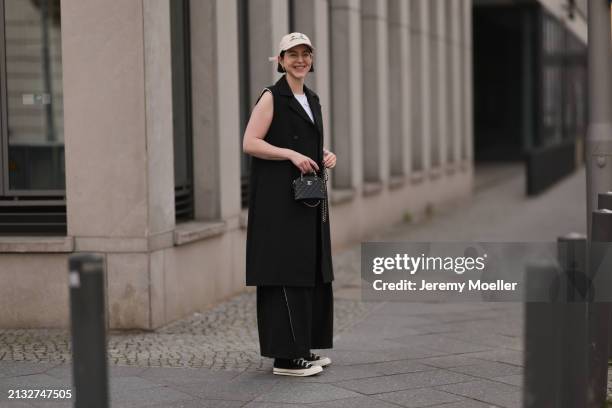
{"x": 329, "y": 159}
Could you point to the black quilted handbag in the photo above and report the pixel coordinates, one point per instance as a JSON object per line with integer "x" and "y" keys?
{"x": 311, "y": 188}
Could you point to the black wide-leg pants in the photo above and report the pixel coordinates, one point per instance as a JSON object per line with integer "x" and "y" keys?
{"x": 293, "y": 320}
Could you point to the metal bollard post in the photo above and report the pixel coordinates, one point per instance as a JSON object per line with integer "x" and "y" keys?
{"x": 542, "y": 333}
{"x": 598, "y": 310}
{"x": 573, "y": 320}
{"x": 604, "y": 202}
{"x": 88, "y": 324}
{"x": 555, "y": 329}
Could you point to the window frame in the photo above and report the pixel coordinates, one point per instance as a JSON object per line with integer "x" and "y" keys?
{"x": 5, "y": 190}
{"x": 47, "y": 203}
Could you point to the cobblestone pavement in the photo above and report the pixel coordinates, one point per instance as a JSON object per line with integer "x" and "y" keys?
{"x": 386, "y": 354}
{"x": 222, "y": 338}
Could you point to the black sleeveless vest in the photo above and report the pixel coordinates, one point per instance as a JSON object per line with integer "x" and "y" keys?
{"x": 286, "y": 240}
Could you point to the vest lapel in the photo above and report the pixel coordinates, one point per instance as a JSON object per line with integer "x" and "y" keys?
{"x": 315, "y": 107}
{"x": 297, "y": 107}
{"x": 294, "y": 104}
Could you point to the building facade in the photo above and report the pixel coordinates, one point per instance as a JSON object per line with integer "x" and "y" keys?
{"x": 530, "y": 88}
{"x": 122, "y": 126}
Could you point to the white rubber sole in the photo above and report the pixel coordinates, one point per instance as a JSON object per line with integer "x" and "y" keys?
{"x": 323, "y": 362}
{"x": 315, "y": 369}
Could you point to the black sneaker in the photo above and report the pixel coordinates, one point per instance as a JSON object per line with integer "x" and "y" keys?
{"x": 318, "y": 360}
{"x": 297, "y": 367}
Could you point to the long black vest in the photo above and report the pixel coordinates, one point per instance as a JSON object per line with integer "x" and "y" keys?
{"x": 281, "y": 247}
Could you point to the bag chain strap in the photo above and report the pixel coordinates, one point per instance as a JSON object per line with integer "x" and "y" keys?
{"x": 326, "y": 196}
{"x": 324, "y": 207}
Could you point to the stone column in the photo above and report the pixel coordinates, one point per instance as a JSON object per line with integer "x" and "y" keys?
{"x": 119, "y": 152}
{"x": 416, "y": 82}
{"x": 456, "y": 50}
{"x": 439, "y": 83}
{"x": 468, "y": 139}
{"x": 399, "y": 88}
{"x": 375, "y": 119}
{"x": 215, "y": 108}
{"x": 426, "y": 81}
{"x": 346, "y": 136}
{"x": 268, "y": 22}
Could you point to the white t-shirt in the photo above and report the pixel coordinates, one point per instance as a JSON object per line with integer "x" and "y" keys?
{"x": 304, "y": 102}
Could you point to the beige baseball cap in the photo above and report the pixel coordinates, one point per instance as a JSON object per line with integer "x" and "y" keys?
{"x": 292, "y": 39}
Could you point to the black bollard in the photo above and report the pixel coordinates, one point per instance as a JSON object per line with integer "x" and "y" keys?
{"x": 542, "y": 332}
{"x": 604, "y": 202}
{"x": 573, "y": 320}
{"x": 598, "y": 308}
{"x": 556, "y": 327}
{"x": 88, "y": 324}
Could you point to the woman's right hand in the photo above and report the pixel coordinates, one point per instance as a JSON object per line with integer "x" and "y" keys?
{"x": 304, "y": 163}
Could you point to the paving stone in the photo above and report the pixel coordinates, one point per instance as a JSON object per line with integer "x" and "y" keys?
{"x": 61, "y": 372}
{"x": 246, "y": 387}
{"x": 300, "y": 393}
{"x": 516, "y": 380}
{"x": 489, "y": 370}
{"x": 487, "y": 391}
{"x": 449, "y": 361}
{"x": 346, "y": 357}
{"x": 255, "y": 404}
{"x": 145, "y": 397}
{"x": 14, "y": 404}
{"x": 433, "y": 329}
{"x": 466, "y": 404}
{"x": 441, "y": 343}
{"x": 18, "y": 368}
{"x": 495, "y": 340}
{"x": 399, "y": 382}
{"x": 356, "y": 402}
{"x": 399, "y": 367}
{"x": 131, "y": 383}
{"x": 186, "y": 375}
{"x": 336, "y": 373}
{"x": 503, "y": 356}
{"x": 51, "y": 404}
{"x": 200, "y": 403}
{"x": 421, "y": 397}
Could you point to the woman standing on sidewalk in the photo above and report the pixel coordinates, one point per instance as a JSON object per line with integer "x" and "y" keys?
{"x": 288, "y": 243}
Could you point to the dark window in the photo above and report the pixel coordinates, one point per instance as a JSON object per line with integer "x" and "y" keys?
{"x": 552, "y": 80}
{"x": 291, "y": 7}
{"x": 181, "y": 106}
{"x": 563, "y": 86}
{"x": 434, "y": 77}
{"x": 416, "y": 85}
{"x": 245, "y": 94}
{"x": 32, "y": 171}
{"x": 449, "y": 44}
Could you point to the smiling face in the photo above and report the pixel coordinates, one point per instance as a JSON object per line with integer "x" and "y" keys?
{"x": 297, "y": 61}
